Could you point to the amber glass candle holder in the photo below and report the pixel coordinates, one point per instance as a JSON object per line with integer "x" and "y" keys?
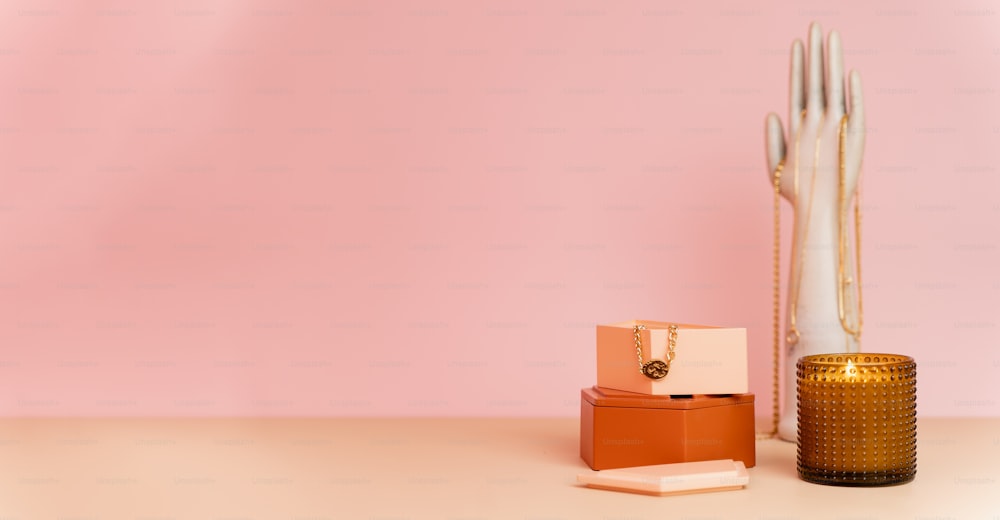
{"x": 857, "y": 419}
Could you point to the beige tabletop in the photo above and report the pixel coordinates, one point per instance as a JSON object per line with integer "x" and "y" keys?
{"x": 299, "y": 469}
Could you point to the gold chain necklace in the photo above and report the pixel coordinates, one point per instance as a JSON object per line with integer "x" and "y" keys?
{"x": 844, "y": 280}
{"x": 793, "y": 335}
{"x": 655, "y": 369}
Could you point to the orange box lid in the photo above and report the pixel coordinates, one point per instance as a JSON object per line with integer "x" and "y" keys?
{"x": 598, "y": 396}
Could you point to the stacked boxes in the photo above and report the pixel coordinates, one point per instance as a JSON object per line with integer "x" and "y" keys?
{"x": 699, "y": 411}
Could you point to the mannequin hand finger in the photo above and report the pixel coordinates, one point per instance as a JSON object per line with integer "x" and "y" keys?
{"x": 796, "y": 87}
{"x": 835, "y": 78}
{"x": 774, "y": 136}
{"x": 856, "y": 119}
{"x": 814, "y": 80}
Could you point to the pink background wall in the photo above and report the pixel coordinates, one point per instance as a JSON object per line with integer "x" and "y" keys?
{"x": 365, "y": 208}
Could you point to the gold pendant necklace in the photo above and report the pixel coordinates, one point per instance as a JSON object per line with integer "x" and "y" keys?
{"x": 655, "y": 369}
{"x": 793, "y": 336}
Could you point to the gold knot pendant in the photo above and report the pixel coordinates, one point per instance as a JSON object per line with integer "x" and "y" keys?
{"x": 655, "y": 369}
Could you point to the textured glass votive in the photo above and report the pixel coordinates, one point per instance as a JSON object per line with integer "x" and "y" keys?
{"x": 857, "y": 419}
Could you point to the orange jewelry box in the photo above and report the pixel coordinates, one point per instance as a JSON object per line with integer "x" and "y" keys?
{"x": 624, "y": 429}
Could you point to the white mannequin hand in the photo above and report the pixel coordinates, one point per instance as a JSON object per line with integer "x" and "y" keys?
{"x": 822, "y": 104}
{"x": 810, "y": 181}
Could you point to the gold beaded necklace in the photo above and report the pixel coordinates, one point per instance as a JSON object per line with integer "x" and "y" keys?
{"x": 843, "y": 280}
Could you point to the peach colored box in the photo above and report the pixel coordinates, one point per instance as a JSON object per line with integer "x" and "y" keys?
{"x": 707, "y": 360}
